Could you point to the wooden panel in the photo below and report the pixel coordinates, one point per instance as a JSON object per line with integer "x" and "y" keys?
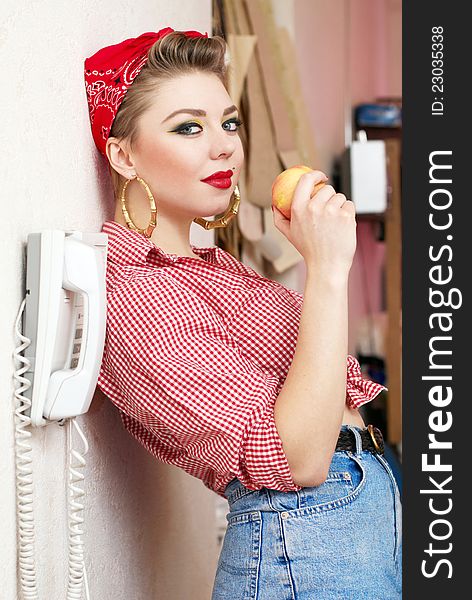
{"x": 393, "y": 239}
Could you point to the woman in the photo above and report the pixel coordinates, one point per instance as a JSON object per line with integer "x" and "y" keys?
{"x": 231, "y": 376}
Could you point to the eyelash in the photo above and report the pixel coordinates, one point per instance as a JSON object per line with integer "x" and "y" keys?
{"x": 182, "y": 128}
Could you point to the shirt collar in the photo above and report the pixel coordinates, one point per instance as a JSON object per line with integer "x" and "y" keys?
{"x": 128, "y": 247}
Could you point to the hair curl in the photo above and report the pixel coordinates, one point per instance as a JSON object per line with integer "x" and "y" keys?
{"x": 171, "y": 56}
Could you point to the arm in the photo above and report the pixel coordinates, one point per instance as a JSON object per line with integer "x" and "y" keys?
{"x": 309, "y": 408}
{"x": 308, "y": 411}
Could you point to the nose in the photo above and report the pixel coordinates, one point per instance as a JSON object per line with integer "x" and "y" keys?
{"x": 223, "y": 145}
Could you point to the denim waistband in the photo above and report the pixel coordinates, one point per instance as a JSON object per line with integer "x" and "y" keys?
{"x": 235, "y": 489}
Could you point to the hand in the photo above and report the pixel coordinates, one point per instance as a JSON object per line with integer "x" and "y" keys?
{"x": 323, "y": 227}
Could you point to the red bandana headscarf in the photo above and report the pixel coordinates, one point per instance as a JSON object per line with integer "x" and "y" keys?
{"x": 108, "y": 75}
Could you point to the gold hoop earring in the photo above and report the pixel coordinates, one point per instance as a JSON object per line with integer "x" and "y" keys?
{"x": 147, "y": 231}
{"x": 230, "y": 213}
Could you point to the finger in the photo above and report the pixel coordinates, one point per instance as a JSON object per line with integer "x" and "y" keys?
{"x": 304, "y": 187}
{"x": 316, "y": 188}
{"x": 337, "y": 200}
{"x": 278, "y": 214}
{"x": 319, "y": 175}
{"x": 325, "y": 193}
{"x": 349, "y": 207}
{"x": 280, "y": 220}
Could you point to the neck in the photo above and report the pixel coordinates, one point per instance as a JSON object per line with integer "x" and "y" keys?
{"x": 172, "y": 236}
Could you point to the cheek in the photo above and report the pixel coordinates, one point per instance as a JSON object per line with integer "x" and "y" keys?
{"x": 239, "y": 153}
{"x": 171, "y": 166}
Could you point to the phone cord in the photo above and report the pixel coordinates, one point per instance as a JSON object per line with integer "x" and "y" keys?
{"x": 24, "y": 489}
{"x": 24, "y": 474}
{"x": 77, "y": 570}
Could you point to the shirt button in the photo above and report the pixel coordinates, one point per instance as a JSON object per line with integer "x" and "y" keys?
{"x": 284, "y": 515}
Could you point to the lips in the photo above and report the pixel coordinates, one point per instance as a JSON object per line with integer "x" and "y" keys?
{"x": 220, "y": 179}
{"x": 219, "y": 175}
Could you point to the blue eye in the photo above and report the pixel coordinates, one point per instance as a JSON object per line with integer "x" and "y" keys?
{"x": 186, "y": 128}
{"x": 236, "y": 122}
{"x": 192, "y": 128}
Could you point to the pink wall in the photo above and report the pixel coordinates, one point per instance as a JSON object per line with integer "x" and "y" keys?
{"x": 349, "y": 52}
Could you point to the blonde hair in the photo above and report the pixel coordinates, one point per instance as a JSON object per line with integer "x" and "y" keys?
{"x": 171, "y": 56}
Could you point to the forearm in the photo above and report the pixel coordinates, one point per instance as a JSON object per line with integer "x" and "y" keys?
{"x": 309, "y": 408}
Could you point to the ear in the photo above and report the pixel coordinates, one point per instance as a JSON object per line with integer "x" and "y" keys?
{"x": 120, "y": 158}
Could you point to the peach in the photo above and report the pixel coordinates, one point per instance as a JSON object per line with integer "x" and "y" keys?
{"x": 284, "y": 185}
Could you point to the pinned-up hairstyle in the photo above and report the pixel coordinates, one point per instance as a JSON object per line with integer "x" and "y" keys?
{"x": 173, "y": 55}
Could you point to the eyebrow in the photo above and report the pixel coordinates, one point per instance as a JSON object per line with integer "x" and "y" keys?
{"x": 198, "y": 112}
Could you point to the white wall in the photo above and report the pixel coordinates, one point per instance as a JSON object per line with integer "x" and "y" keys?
{"x": 149, "y": 530}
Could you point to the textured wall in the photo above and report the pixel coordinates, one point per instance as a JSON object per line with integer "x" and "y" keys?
{"x": 150, "y": 530}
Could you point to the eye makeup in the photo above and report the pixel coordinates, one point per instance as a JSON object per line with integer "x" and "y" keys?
{"x": 181, "y": 129}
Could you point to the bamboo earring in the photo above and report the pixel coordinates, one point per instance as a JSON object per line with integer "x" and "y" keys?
{"x": 147, "y": 231}
{"x": 230, "y": 213}
{"x": 223, "y": 221}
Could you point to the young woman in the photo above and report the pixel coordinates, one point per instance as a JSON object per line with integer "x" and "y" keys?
{"x": 235, "y": 378}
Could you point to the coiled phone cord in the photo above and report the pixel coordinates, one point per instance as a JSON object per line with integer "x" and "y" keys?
{"x": 24, "y": 489}
{"x": 77, "y": 571}
{"x": 24, "y": 475}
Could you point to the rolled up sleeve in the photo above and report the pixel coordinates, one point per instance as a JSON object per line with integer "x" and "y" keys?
{"x": 262, "y": 439}
{"x": 359, "y": 389}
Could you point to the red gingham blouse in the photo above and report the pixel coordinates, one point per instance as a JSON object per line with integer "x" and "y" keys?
{"x": 196, "y": 352}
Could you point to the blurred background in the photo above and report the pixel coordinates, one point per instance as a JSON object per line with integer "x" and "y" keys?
{"x": 319, "y": 84}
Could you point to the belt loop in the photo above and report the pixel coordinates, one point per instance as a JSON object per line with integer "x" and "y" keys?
{"x": 357, "y": 437}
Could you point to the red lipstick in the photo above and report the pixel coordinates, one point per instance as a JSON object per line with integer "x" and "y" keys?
{"x": 220, "y": 179}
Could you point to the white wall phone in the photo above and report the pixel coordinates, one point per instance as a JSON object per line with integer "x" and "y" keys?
{"x": 65, "y": 318}
{"x": 63, "y": 335}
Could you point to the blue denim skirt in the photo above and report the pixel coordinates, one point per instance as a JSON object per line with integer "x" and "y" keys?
{"x": 341, "y": 540}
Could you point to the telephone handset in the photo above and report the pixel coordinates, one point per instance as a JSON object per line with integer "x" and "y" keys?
{"x": 63, "y": 338}
{"x": 65, "y": 318}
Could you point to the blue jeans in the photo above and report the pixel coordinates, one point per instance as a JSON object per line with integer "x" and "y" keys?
{"x": 338, "y": 541}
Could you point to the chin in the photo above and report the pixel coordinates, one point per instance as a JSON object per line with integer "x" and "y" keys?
{"x": 216, "y": 212}
{"x": 215, "y": 208}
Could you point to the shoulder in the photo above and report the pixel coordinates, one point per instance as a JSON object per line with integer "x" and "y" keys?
{"x": 160, "y": 302}
{"x": 157, "y": 285}
{"x": 154, "y": 294}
